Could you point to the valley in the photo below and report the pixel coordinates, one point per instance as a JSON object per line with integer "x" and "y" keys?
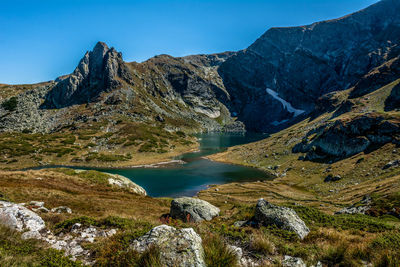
{"x": 285, "y": 153}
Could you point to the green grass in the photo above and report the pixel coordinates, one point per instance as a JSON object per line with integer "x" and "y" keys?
{"x": 217, "y": 253}
{"x": 15, "y": 251}
{"x": 314, "y": 217}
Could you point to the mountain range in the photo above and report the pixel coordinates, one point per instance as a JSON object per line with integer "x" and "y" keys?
{"x": 285, "y": 76}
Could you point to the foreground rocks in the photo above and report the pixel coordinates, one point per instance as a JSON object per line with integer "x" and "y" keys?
{"x": 289, "y": 261}
{"x": 284, "y": 218}
{"x": 72, "y": 242}
{"x": 21, "y": 219}
{"x": 178, "y": 247}
{"x": 192, "y": 209}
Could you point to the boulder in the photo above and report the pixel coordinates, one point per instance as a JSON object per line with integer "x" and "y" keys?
{"x": 178, "y": 247}
{"x": 332, "y": 178}
{"x": 284, "y": 218}
{"x": 192, "y": 209}
{"x": 21, "y": 219}
{"x": 289, "y": 261}
{"x": 394, "y": 163}
{"x": 360, "y": 207}
{"x": 61, "y": 209}
{"x": 123, "y": 182}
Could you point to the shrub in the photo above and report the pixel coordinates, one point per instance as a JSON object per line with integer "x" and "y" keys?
{"x": 388, "y": 259}
{"x": 390, "y": 240}
{"x": 10, "y": 104}
{"x": 56, "y": 258}
{"x": 313, "y": 216}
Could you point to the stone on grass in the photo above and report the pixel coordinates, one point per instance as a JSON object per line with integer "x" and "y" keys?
{"x": 21, "y": 219}
{"x": 192, "y": 209}
{"x": 289, "y": 261}
{"x": 61, "y": 209}
{"x": 178, "y": 247}
{"x": 283, "y": 218}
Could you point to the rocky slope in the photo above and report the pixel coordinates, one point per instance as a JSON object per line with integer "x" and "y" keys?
{"x": 269, "y": 85}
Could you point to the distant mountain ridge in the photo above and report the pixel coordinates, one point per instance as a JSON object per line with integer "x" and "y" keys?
{"x": 219, "y": 91}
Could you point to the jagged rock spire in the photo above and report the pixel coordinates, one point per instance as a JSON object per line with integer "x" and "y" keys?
{"x": 96, "y": 72}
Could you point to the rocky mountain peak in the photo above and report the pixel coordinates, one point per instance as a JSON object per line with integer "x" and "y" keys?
{"x": 98, "y": 71}
{"x": 303, "y": 63}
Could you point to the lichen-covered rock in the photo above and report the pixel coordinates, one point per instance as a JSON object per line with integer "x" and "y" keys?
{"x": 289, "y": 261}
{"x": 284, "y": 218}
{"x": 178, "y": 247}
{"x": 61, "y": 209}
{"x": 72, "y": 242}
{"x": 192, "y": 209}
{"x": 21, "y": 219}
{"x": 344, "y": 138}
{"x": 360, "y": 207}
{"x": 98, "y": 71}
{"x": 123, "y": 182}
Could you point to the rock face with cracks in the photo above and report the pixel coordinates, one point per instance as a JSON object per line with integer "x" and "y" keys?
{"x": 284, "y": 218}
{"x": 21, "y": 219}
{"x": 178, "y": 247}
{"x": 192, "y": 209}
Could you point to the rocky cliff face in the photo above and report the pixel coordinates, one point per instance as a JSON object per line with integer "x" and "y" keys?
{"x": 98, "y": 71}
{"x": 303, "y": 63}
{"x": 343, "y": 139}
{"x": 275, "y": 82}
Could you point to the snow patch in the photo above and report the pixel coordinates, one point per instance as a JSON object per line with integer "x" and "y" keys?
{"x": 285, "y": 104}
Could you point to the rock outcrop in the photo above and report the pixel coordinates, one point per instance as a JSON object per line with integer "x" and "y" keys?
{"x": 72, "y": 243}
{"x": 100, "y": 70}
{"x": 192, "y": 209}
{"x": 303, "y": 63}
{"x": 284, "y": 218}
{"x": 393, "y": 101}
{"x": 21, "y": 219}
{"x": 123, "y": 182}
{"x": 273, "y": 83}
{"x": 289, "y": 261}
{"x": 343, "y": 139}
{"x": 358, "y": 208}
{"x": 178, "y": 247}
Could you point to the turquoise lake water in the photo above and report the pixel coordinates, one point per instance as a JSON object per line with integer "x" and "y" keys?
{"x": 195, "y": 173}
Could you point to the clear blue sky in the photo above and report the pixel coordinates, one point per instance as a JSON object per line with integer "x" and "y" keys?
{"x": 43, "y": 39}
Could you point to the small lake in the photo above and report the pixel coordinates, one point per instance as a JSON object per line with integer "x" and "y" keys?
{"x": 195, "y": 173}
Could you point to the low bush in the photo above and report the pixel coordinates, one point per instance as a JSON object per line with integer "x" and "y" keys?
{"x": 10, "y": 104}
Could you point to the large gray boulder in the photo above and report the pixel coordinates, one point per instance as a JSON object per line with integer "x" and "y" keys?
{"x": 21, "y": 219}
{"x": 192, "y": 209}
{"x": 284, "y": 218}
{"x": 178, "y": 247}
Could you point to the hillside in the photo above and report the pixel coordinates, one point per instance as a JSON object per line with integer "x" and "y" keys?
{"x": 231, "y": 91}
{"x": 327, "y": 93}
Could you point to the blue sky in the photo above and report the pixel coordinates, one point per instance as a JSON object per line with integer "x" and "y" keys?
{"x": 41, "y": 40}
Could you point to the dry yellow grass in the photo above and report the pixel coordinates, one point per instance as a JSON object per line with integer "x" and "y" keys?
{"x": 84, "y": 197}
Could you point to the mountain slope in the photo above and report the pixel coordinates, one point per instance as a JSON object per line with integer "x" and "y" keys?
{"x": 287, "y": 75}
{"x": 303, "y": 63}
